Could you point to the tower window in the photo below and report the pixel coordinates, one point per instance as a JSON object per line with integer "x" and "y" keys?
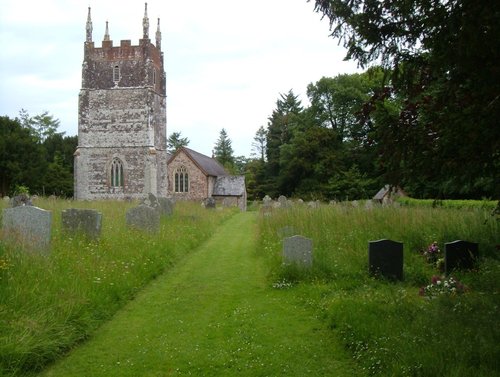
{"x": 181, "y": 180}
{"x": 117, "y": 173}
{"x": 116, "y": 73}
{"x": 154, "y": 77}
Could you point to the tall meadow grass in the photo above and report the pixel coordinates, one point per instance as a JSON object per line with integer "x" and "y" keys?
{"x": 48, "y": 303}
{"x": 388, "y": 327}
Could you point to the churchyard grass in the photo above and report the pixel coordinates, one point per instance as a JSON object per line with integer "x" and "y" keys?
{"x": 389, "y": 329}
{"x": 49, "y": 303}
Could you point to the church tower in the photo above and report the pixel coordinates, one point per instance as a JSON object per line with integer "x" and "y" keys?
{"x": 122, "y": 118}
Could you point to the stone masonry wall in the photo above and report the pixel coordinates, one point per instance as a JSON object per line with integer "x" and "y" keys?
{"x": 198, "y": 182}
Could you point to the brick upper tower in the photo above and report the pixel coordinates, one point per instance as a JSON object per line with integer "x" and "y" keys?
{"x": 122, "y": 119}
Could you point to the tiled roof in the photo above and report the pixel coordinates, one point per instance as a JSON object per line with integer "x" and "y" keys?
{"x": 210, "y": 166}
{"x": 233, "y": 185}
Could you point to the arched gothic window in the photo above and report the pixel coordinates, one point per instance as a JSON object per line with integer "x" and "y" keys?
{"x": 181, "y": 180}
{"x": 116, "y": 73}
{"x": 117, "y": 173}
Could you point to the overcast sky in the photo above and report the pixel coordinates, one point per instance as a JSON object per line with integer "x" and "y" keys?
{"x": 226, "y": 61}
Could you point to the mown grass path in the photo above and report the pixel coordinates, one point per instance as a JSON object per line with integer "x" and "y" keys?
{"x": 212, "y": 315}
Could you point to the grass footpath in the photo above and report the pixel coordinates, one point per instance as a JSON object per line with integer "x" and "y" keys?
{"x": 212, "y": 315}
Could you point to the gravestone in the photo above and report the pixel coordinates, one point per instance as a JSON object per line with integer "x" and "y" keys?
{"x": 20, "y": 200}
{"x": 267, "y": 201}
{"x": 298, "y": 250}
{"x": 385, "y": 258}
{"x": 143, "y": 217}
{"x": 151, "y": 201}
{"x": 460, "y": 255}
{"x": 209, "y": 203}
{"x": 28, "y": 225}
{"x": 368, "y": 205}
{"x": 166, "y": 206}
{"x": 85, "y": 221}
{"x": 283, "y": 201}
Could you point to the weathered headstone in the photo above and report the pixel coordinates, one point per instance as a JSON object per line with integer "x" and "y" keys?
{"x": 143, "y": 217}
{"x": 385, "y": 258}
{"x": 28, "y": 225}
{"x": 460, "y": 255}
{"x": 368, "y": 205}
{"x": 283, "y": 201}
{"x": 209, "y": 203}
{"x": 166, "y": 206}
{"x": 20, "y": 200}
{"x": 6, "y": 199}
{"x": 298, "y": 250}
{"x": 267, "y": 201}
{"x": 85, "y": 221}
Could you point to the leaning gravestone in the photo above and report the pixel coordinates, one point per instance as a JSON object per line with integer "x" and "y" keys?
{"x": 298, "y": 250}
{"x": 143, "y": 217}
{"x": 85, "y": 221}
{"x": 385, "y": 258}
{"x": 460, "y": 255}
{"x": 28, "y": 225}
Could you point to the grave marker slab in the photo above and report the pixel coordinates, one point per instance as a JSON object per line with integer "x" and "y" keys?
{"x": 85, "y": 221}
{"x": 460, "y": 255}
{"x": 385, "y": 257}
{"x": 166, "y": 206}
{"x": 143, "y": 217}
{"x": 298, "y": 250}
{"x": 287, "y": 231}
{"x": 29, "y": 225}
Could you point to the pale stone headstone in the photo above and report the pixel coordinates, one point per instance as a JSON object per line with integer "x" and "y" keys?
{"x": 298, "y": 250}
{"x": 85, "y": 221}
{"x": 143, "y": 217}
{"x": 6, "y": 199}
{"x": 283, "y": 201}
{"x": 460, "y": 255}
{"x": 151, "y": 201}
{"x": 385, "y": 258}
{"x": 166, "y": 206}
{"x": 368, "y": 205}
{"x": 267, "y": 201}
{"x": 29, "y": 225}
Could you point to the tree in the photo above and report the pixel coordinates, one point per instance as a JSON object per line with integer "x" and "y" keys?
{"x": 259, "y": 143}
{"x": 42, "y": 125}
{"x": 443, "y": 57}
{"x": 175, "y": 141}
{"x": 223, "y": 150}
{"x": 22, "y": 159}
{"x": 283, "y": 123}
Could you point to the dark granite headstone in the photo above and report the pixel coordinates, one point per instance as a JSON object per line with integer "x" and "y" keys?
{"x": 385, "y": 258}
{"x": 460, "y": 255}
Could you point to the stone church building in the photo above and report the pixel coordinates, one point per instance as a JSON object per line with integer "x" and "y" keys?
{"x": 122, "y": 144}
